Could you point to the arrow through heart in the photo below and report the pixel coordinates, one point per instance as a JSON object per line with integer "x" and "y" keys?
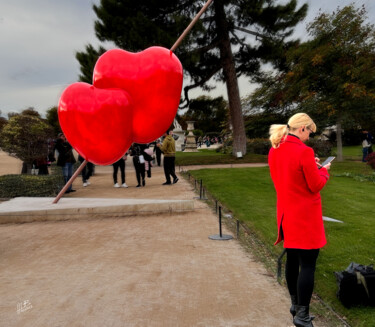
{"x": 134, "y": 98}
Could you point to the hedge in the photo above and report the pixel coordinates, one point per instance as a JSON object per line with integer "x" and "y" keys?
{"x": 12, "y": 186}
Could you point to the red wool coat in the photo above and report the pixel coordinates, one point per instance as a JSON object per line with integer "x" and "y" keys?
{"x": 297, "y": 182}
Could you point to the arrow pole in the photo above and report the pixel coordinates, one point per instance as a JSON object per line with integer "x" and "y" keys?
{"x": 187, "y": 30}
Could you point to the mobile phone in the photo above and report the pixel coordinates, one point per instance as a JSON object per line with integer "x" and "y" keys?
{"x": 327, "y": 161}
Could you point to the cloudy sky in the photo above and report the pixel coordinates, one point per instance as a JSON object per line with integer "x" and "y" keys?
{"x": 39, "y": 39}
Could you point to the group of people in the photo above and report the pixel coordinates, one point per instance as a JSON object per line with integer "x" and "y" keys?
{"x": 208, "y": 141}
{"x": 143, "y": 158}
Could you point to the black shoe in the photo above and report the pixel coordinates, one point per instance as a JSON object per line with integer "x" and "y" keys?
{"x": 167, "y": 183}
{"x": 139, "y": 185}
{"x": 70, "y": 191}
{"x": 175, "y": 180}
{"x": 302, "y": 317}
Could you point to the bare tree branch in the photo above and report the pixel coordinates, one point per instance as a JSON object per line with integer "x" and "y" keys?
{"x": 250, "y": 32}
{"x": 198, "y": 84}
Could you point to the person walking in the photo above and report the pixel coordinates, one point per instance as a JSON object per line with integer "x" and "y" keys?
{"x": 87, "y": 171}
{"x": 169, "y": 150}
{"x": 116, "y": 165}
{"x": 157, "y": 152}
{"x": 65, "y": 159}
{"x": 148, "y": 160}
{"x": 366, "y": 145}
{"x": 139, "y": 158}
{"x": 298, "y": 181}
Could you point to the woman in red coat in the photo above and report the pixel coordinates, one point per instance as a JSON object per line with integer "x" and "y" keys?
{"x": 297, "y": 179}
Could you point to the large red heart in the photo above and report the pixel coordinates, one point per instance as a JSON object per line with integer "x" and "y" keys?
{"x": 153, "y": 78}
{"x": 96, "y": 122}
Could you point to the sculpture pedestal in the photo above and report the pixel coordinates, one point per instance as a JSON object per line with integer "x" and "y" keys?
{"x": 191, "y": 145}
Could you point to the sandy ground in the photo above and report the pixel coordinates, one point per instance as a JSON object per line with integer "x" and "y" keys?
{"x": 159, "y": 270}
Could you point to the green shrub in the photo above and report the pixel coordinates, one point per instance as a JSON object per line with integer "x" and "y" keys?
{"x": 258, "y": 146}
{"x": 321, "y": 148}
{"x": 226, "y": 147}
{"x": 12, "y": 186}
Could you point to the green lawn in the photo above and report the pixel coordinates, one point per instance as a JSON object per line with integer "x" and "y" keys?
{"x": 211, "y": 157}
{"x": 353, "y": 152}
{"x": 349, "y": 196}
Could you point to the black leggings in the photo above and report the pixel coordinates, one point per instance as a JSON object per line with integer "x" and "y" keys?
{"x": 139, "y": 170}
{"x": 299, "y": 273}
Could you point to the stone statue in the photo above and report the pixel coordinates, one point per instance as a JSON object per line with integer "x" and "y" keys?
{"x": 177, "y": 126}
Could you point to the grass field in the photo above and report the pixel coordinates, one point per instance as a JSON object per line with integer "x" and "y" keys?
{"x": 211, "y": 157}
{"x": 348, "y": 196}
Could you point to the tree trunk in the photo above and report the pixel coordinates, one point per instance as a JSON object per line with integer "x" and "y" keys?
{"x": 339, "y": 139}
{"x": 229, "y": 71}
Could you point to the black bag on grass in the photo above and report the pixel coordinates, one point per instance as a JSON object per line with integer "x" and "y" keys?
{"x": 356, "y": 285}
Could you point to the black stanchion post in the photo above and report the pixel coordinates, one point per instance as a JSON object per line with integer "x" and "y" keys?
{"x": 220, "y": 237}
{"x": 221, "y": 233}
{"x": 200, "y": 192}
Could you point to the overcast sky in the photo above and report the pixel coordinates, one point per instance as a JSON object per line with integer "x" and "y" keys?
{"x": 39, "y": 39}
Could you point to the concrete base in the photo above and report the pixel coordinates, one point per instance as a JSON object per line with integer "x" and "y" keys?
{"x": 27, "y": 209}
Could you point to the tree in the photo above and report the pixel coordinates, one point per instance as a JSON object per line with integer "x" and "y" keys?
{"x": 53, "y": 120}
{"x": 232, "y": 39}
{"x": 25, "y": 137}
{"x": 30, "y": 112}
{"x": 87, "y": 62}
{"x": 331, "y": 76}
{"x": 3, "y": 122}
{"x": 209, "y": 114}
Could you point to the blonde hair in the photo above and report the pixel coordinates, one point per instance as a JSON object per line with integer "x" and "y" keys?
{"x": 278, "y": 132}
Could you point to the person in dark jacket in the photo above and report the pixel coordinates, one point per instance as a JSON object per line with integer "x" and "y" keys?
{"x": 137, "y": 151}
{"x": 65, "y": 159}
{"x": 157, "y": 153}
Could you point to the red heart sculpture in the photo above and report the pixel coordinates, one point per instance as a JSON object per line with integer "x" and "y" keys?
{"x": 96, "y": 122}
{"x": 153, "y": 78}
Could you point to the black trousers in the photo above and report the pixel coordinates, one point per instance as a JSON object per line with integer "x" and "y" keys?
{"x": 139, "y": 170}
{"x": 119, "y": 164}
{"x": 300, "y": 272}
{"x": 158, "y": 156}
{"x": 169, "y": 168}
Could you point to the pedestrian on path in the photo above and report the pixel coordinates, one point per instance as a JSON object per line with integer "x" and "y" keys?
{"x": 169, "y": 150}
{"x": 366, "y": 145}
{"x": 139, "y": 159}
{"x": 148, "y": 160}
{"x": 119, "y": 164}
{"x": 87, "y": 171}
{"x": 298, "y": 180}
{"x": 157, "y": 152}
{"x": 65, "y": 159}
